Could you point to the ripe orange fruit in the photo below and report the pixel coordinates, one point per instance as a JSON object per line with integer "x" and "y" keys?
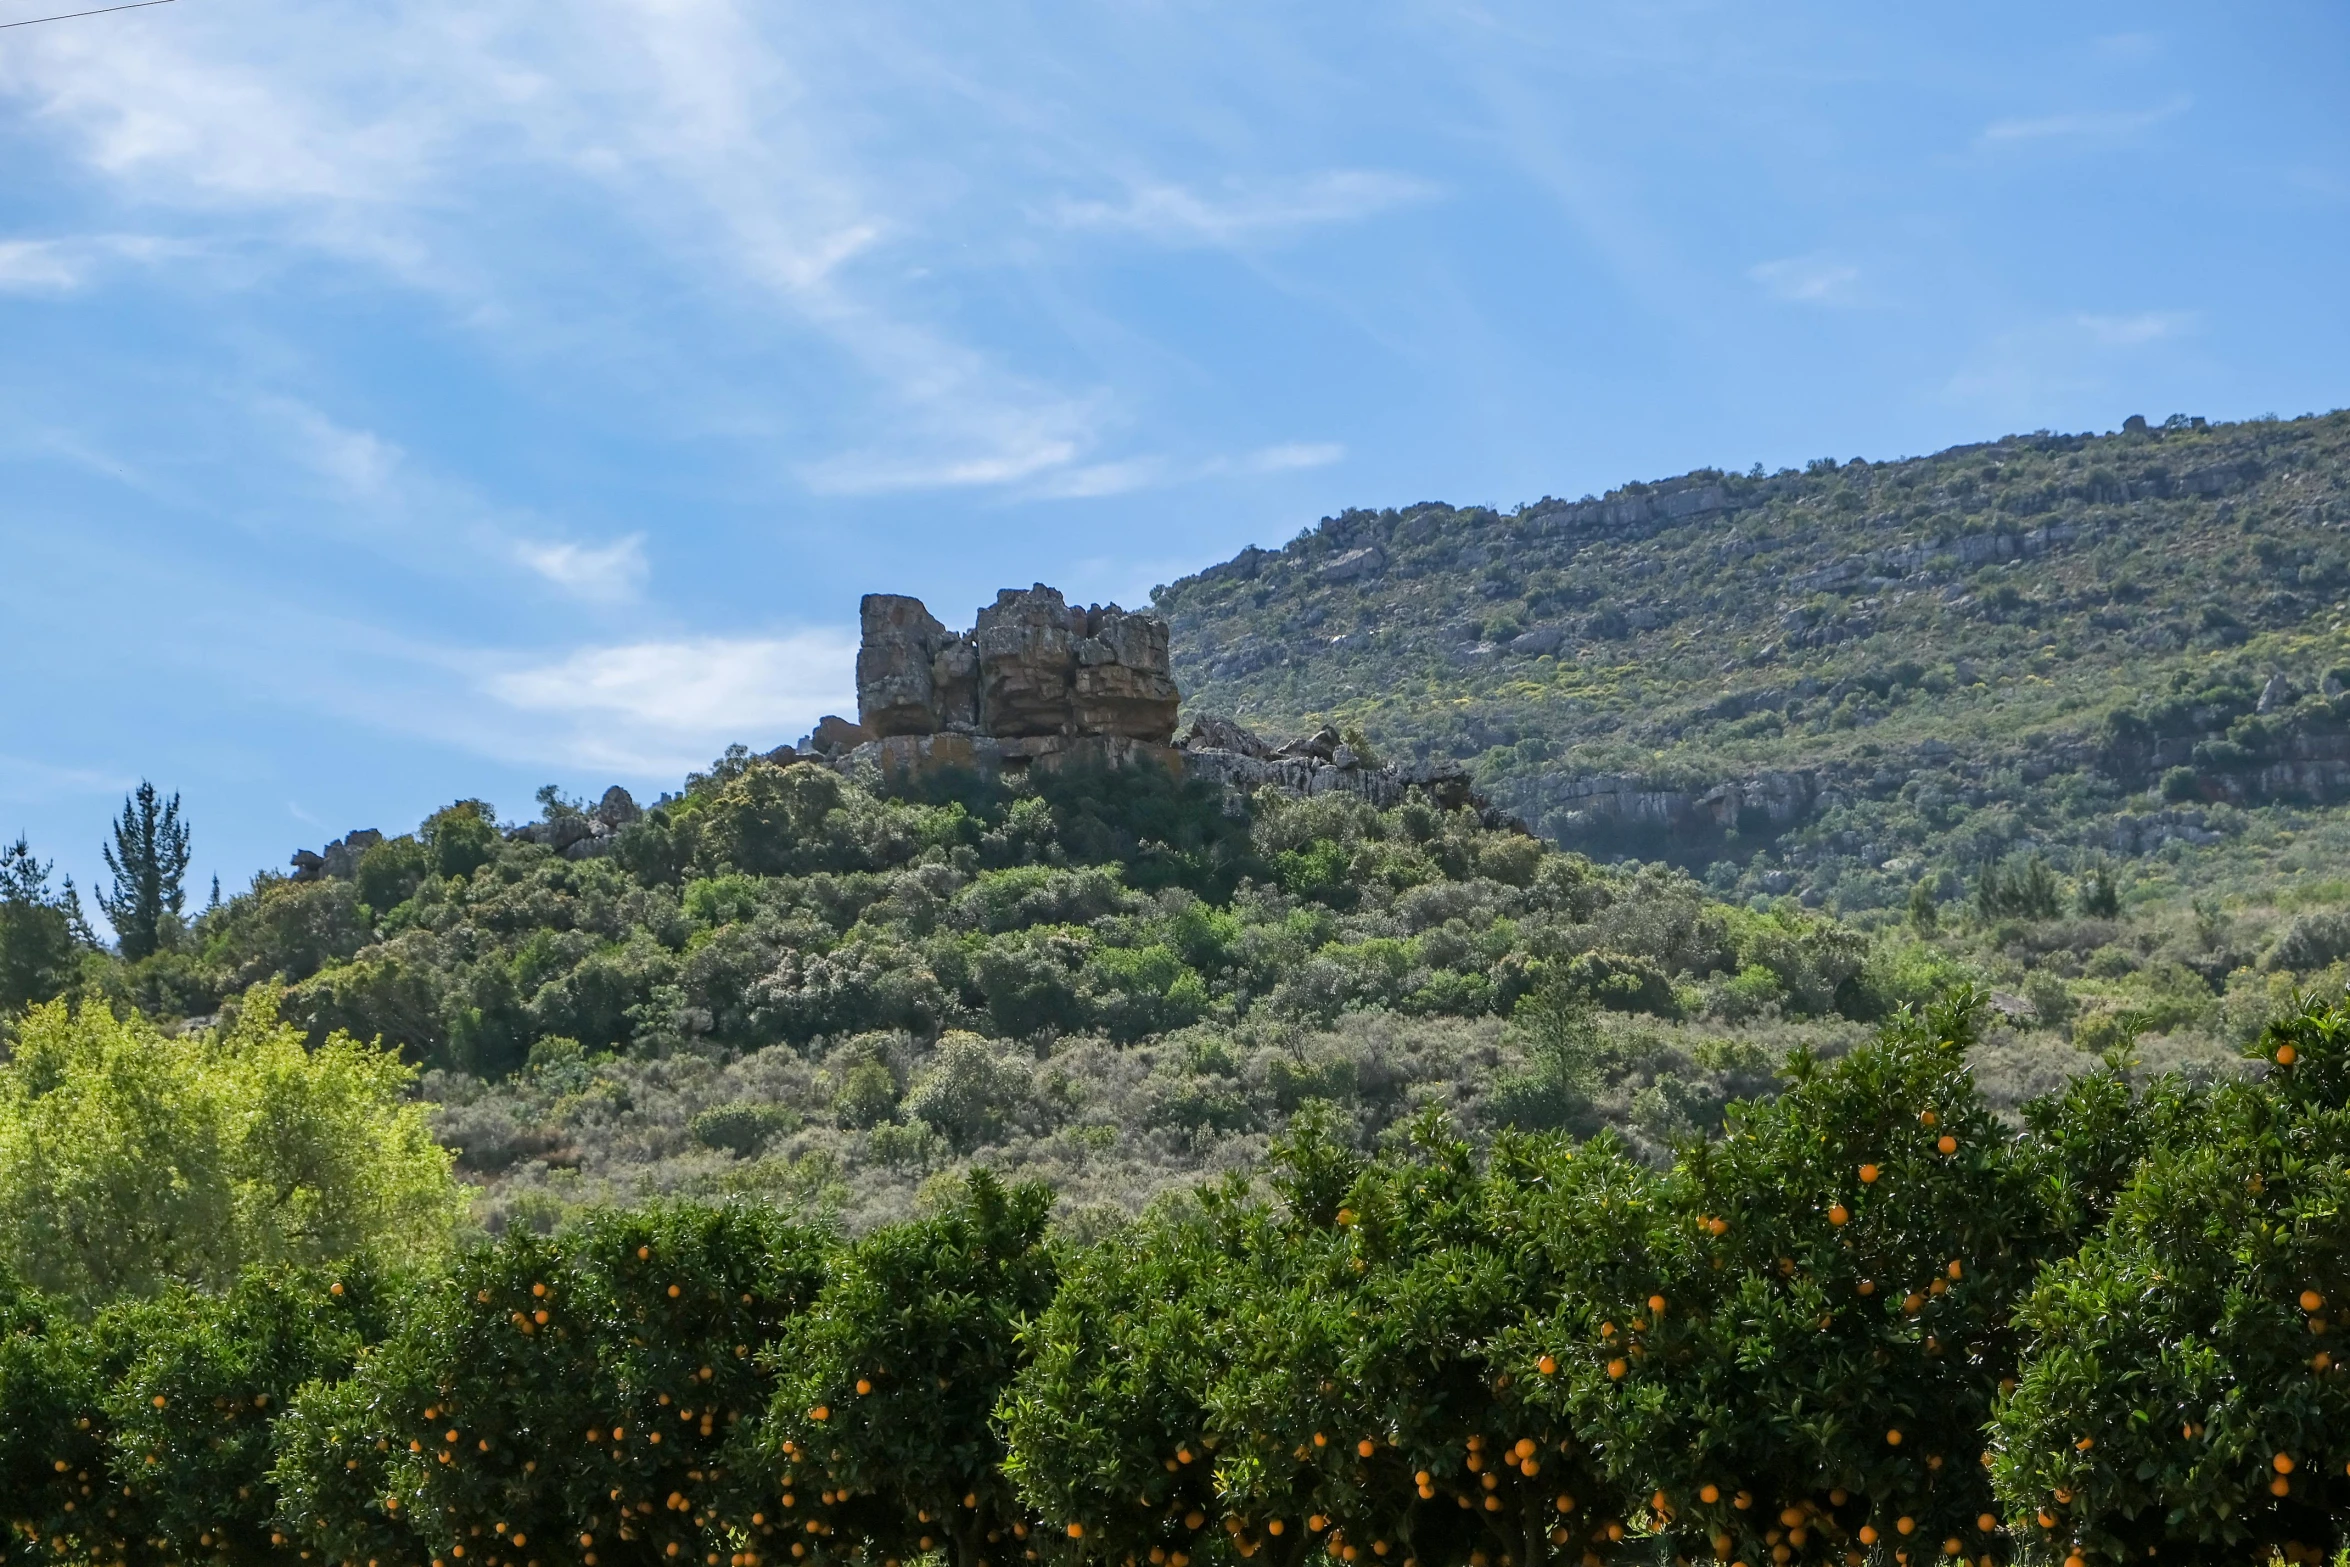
{"x": 1709, "y": 1493}
{"x": 1893, "y": 1438}
{"x": 1868, "y": 1175}
{"x": 1656, "y": 1303}
{"x": 1718, "y": 1226}
{"x": 1547, "y": 1366}
{"x": 1868, "y": 1534}
{"x": 2311, "y": 1300}
{"x": 2282, "y": 1463}
{"x": 2287, "y": 1055}
{"x": 1986, "y": 1523}
{"x": 1616, "y": 1369}
{"x": 1838, "y": 1214}
{"x": 1926, "y": 1118}
{"x": 1947, "y": 1143}
{"x": 820, "y": 1412}
{"x": 1076, "y": 1531}
{"x": 1366, "y": 1447}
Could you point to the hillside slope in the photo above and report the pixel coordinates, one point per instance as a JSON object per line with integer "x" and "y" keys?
{"x": 1838, "y": 682}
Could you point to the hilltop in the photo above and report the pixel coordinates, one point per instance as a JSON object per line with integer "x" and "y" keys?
{"x": 1839, "y": 681}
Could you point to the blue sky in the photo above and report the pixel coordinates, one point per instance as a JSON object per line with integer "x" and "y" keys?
{"x": 430, "y": 398}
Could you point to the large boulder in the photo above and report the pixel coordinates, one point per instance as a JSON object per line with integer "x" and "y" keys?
{"x": 1125, "y": 681}
{"x": 896, "y": 679}
{"x": 1034, "y": 666}
{"x": 1027, "y": 662}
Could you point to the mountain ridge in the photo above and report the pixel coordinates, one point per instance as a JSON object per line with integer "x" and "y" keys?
{"x": 1706, "y": 666}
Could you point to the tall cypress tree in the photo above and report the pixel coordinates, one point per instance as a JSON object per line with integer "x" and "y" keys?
{"x": 148, "y": 857}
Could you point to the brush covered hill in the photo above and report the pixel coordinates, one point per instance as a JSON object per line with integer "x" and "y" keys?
{"x": 2110, "y": 667}
{"x": 2043, "y": 640}
{"x": 794, "y": 984}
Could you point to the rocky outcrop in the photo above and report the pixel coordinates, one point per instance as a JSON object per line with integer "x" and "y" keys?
{"x": 582, "y": 835}
{"x": 1033, "y": 667}
{"x": 339, "y": 859}
{"x": 1041, "y": 684}
{"x": 897, "y": 666}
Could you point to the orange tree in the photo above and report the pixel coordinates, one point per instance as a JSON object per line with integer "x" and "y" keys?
{"x": 1793, "y": 1359}
{"x": 574, "y": 1400}
{"x": 1106, "y": 1426}
{"x": 190, "y": 1413}
{"x": 2182, "y": 1398}
{"x": 881, "y": 1420}
{"x": 1365, "y": 1399}
{"x": 59, "y": 1501}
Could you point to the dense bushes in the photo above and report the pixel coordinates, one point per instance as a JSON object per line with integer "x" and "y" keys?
{"x": 791, "y": 905}
{"x": 130, "y": 1160}
{"x": 1872, "y": 1323}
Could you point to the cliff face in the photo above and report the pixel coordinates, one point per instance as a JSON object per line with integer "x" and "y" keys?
{"x": 1039, "y": 682}
{"x": 1034, "y": 667}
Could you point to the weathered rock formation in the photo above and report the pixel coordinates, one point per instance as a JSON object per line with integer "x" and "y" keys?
{"x": 339, "y": 859}
{"x": 1034, "y": 667}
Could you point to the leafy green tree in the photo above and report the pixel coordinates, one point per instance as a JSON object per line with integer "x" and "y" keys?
{"x": 1555, "y": 1026}
{"x": 2011, "y": 891}
{"x": 2099, "y": 898}
{"x": 586, "y": 1399}
{"x": 191, "y": 1414}
{"x": 37, "y": 940}
{"x": 883, "y": 1413}
{"x": 1107, "y": 1425}
{"x": 148, "y": 860}
{"x": 131, "y": 1159}
{"x": 462, "y": 839}
{"x": 1925, "y": 912}
{"x": 2181, "y": 1399}
{"x": 1798, "y": 1346}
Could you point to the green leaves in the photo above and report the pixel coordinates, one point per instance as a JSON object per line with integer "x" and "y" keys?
{"x": 1873, "y": 1322}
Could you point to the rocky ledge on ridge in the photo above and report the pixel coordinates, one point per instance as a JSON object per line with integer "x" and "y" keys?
{"x": 1040, "y": 682}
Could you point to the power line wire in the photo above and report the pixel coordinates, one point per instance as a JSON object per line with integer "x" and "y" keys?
{"x": 135, "y": 5}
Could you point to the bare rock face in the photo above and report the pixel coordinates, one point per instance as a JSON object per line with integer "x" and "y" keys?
{"x": 1034, "y": 666}
{"x": 896, "y": 684}
{"x": 1125, "y": 682}
{"x": 834, "y": 735}
{"x": 1027, "y": 662}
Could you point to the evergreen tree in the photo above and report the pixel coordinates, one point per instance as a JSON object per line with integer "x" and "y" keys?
{"x": 148, "y": 857}
{"x": 36, "y": 931}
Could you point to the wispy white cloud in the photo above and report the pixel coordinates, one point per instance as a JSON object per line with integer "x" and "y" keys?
{"x": 1240, "y": 211}
{"x": 56, "y": 266}
{"x": 640, "y": 705}
{"x": 1293, "y": 455}
{"x": 1141, "y": 473}
{"x": 2147, "y": 326}
{"x": 601, "y": 574}
{"x": 360, "y": 462}
{"x": 2081, "y": 125}
{"x": 1816, "y": 279}
{"x": 38, "y": 267}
